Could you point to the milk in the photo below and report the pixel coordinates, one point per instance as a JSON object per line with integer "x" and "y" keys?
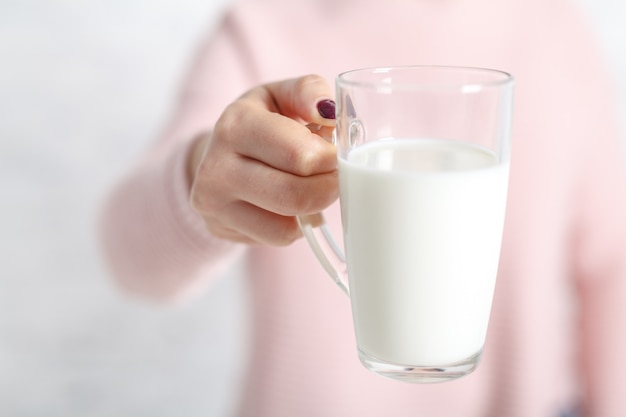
{"x": 422, "y": 224}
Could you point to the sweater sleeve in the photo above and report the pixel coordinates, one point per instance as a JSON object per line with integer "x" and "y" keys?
{"x": 155, "y": 245}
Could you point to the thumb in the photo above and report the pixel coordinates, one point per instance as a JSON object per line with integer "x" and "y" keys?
{"x": 307, "y": 98}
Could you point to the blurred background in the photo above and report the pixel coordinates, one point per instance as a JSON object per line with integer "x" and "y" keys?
{"x": 85, "y": 85}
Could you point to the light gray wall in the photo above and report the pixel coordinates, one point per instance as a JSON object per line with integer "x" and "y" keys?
{"x": 84, "y": 85}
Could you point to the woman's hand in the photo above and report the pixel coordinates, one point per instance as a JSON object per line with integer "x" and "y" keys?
{"x": 264, "y": 163}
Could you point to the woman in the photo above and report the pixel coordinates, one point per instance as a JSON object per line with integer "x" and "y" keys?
{"x": 237, "y": 163}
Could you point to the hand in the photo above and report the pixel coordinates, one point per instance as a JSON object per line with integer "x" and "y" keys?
{"x": 262, "y": 164}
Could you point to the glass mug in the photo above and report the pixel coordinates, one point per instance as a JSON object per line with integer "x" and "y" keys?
{"x": 423, "y": 160}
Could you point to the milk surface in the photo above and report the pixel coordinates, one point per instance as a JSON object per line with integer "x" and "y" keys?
{"x": 422, "y": 224}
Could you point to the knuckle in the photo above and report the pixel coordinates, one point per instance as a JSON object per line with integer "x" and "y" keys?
{"x": 302, "y": 160}
{"x": 311, "y": 157}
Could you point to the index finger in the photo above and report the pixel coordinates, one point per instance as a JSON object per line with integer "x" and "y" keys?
{"x": 282, "y": 143}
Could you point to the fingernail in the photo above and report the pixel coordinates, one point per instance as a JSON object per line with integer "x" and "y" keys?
{"x": 326, "y": 108}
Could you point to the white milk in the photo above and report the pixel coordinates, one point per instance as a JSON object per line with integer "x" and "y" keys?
{"x": 422, "y": 226}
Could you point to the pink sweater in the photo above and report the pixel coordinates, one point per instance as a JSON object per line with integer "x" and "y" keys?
{"x": 557, "y": 337}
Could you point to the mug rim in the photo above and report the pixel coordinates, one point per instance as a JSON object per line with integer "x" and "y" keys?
{"x": 497, "y": 78}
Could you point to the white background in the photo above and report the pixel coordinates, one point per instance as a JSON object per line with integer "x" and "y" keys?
{"x": 84, "y": 86}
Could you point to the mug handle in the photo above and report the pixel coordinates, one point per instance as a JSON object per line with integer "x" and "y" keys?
{"x": 328, "y": 253}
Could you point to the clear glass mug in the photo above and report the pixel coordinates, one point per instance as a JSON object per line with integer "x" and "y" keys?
{"x": 423, "y": 160}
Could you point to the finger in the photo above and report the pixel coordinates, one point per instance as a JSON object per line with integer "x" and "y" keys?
{"x": 226, "y": 233}
{"x": 275, "y": 140}
{"x": 258, "y": 226}
{"x": 281, "y": 192}
{"x": 307, "y": 99}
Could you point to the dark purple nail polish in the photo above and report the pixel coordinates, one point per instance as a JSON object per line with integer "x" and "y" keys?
{"x": 326, "y": 108}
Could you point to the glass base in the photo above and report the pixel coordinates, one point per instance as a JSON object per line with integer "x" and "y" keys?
{"x": 421, "y": 374}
